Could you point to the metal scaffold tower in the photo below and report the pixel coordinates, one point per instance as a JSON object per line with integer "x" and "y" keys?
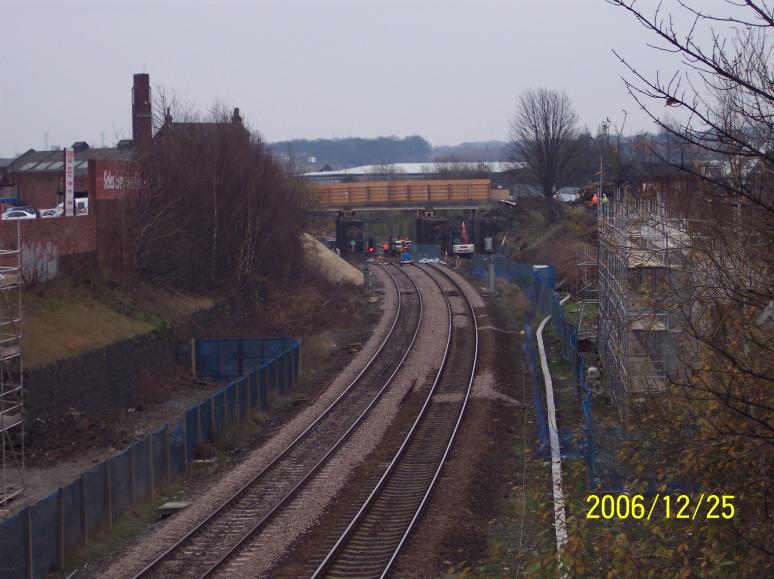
{"x": 588, "y": 296}
{"x": 634, "y": 320}
{"x": 11, "y": 380}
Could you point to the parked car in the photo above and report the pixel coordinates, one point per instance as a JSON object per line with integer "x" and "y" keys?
{"x": 21, "y": 213}
{"x": 19, "y": 208}
{"x": 566, "y": 197}
{"x": 53, "y": 212}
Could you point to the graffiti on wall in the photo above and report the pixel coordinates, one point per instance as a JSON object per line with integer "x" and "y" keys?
{"x": 39, "y": 261}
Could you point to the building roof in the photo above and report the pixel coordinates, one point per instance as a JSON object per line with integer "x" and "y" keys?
{"x": 34, "y": 161}
{"x": 415, "y": 168}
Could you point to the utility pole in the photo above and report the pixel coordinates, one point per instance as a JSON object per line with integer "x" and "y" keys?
{"x": 491, "y": 288}
{"x": 604, "y": 142}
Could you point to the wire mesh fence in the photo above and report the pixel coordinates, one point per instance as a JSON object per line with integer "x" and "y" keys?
{"x": 36, "y": 540}
{"x": 538, "y": 283}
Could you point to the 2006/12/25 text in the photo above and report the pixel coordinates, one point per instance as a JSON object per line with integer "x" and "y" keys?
{"x": 621, "y": 506}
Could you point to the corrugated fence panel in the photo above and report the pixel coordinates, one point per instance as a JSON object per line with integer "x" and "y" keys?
{"x": 159, "y": 455}
{"x": 192, "y": 440}
{"x": 228, "y": 358}
{"x": 177, "y": 448}
{"x": 252, "y": 385}
{"x": 244, "y": 409}
{"x": 96, "y": 496}
{"x": 72, "y": 503}
{"x": 13, "y": 553}
{"x": 231, "y": 402}
{"x": 263, "y": 386}
{"x": 207, "y": 356}
{"x": 273, "y": 347}
{"x": 220, "y": 410}
{"x": 45, "y": 535}
{"x": 252, "y": 355}
{"x": 234, "y": 357}
{"x": 132, "y": 474}
{"x": 205, "y": 413}
{"x": 120, "y": 469}
{"x": 142, "y": 470}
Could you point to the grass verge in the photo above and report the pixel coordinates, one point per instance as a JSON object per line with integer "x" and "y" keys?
{"x": 64, "y": 318}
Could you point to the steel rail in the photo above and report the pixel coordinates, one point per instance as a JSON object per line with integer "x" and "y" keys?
{"x": 456, "y": 425}
{"x": 153, "y": 565}
{"x": 380, "y": 486}
{"x": 247, "y": 536}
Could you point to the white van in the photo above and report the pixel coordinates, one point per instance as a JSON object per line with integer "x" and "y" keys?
{"x": 81, "y": 206}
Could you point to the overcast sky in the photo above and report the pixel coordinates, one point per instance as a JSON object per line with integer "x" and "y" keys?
{"x": 448, "y": 70}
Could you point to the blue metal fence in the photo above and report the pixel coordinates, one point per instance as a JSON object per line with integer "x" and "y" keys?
{"x": 36, "y": 540}
{"x": 538, "y": 284}
{"x": 232, "y": 357}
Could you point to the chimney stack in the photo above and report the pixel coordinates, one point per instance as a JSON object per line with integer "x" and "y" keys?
{"x": 142, "y": 117}
{"x": 235, "y": 118}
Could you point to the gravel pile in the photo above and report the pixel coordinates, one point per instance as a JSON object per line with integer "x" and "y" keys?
{"x": 328, "y": 263}
{"x": 485, "y": 386}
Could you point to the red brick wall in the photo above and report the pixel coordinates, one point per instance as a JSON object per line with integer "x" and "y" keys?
{"x": 75, "y": 244}
{"x": 48, "y": 246}
{"x": 41, "y": 190}
{"x": 112, "y": 186}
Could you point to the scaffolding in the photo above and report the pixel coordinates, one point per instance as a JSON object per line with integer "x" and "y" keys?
{"x": 11, "y": 378}
{"x": 636, "y": 243}
{"x": 588, "y": 296}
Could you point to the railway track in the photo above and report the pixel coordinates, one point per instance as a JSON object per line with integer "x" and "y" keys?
{"x": 217, "y": 539}
{"x": 372, "y": 540}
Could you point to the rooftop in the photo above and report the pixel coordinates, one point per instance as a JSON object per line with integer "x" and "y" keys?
{"x": 34, "y": 161}
{"x": 413, "y": 169}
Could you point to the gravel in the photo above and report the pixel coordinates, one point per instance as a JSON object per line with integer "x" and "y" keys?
{"x": 484, "y": 386}
{"x": 309, "y": 506}
{"x": 475, "y": 298}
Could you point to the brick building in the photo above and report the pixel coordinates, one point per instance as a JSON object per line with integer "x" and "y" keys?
{"x": 37, "y": 177}
{"x": 6, "y": 186}
{"x": 108, "y": 177}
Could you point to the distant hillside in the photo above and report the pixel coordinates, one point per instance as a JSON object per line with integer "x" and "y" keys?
{"x": 354, "y": 151}
{"x": 472, "y": 151}
{"x": 309, "y": 154}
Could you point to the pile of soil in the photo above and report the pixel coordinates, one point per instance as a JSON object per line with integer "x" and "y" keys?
{"x": 66, "y": 436}
{"x": 328, "y": 264}
{"x": 75, "y": 434}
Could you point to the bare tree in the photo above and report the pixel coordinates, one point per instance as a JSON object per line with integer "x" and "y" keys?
{"x": 215, "y": 208}
{"x": 724, "y": 90}
{"x": 714, "y": 426}
{"x": 544, "y": 135}
{"x": 452, "y": 168}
